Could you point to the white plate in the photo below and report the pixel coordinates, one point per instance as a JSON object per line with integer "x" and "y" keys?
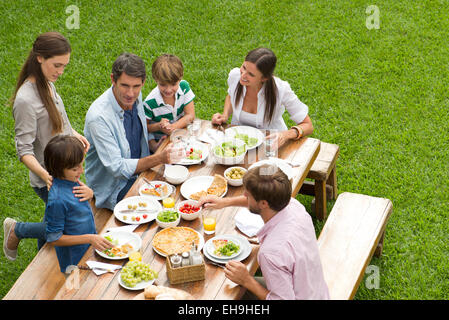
{"x": 153, "y": 207}
{"x": 122, "y": 237}
{"x": 245, "y": 247}
{"x": 280, "y": 163}
{"x": 200, "y": 244}
{"x": 195, "y": 145}
{"x": 139, "y": 286}
{"x": 170, "y": 189}
{"x": 250, "y": 131}
{"x": 210, "y": 248}
{"x": 196, "y": 184}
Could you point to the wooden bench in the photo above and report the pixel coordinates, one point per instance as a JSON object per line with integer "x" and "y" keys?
{"x": 353, "y": 233}
{"x": 323, "y": 172}
{"x": 42, "y": 278}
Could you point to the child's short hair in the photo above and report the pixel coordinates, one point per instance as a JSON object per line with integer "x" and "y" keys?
{"x": 167, "y": 69}
{"x": 62, "y": 152}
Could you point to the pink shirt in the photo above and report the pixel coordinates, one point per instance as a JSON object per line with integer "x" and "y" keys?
{"x": 289, "y": 258}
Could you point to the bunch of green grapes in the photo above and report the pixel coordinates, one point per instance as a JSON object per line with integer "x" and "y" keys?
{"x": 137, "y": 271}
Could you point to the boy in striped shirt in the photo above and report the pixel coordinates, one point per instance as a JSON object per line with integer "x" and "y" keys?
{"x": 170, "y": 105}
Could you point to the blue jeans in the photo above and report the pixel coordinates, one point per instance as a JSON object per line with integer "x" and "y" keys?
{"x": 34, "y": 230}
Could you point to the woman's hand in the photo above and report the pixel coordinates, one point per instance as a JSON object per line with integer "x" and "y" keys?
{"x": 83, "y": 141}
{"x": 218, "y": 118}
{"x": 48, "y": 181}
{"x": 100, "y": 243}
{"x": 83, "y": 192}
{"x": 280, "y": 138}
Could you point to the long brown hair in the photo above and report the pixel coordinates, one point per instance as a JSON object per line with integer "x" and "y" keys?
{"x": 265, "y": 61}
{"x": 47, "y": 45}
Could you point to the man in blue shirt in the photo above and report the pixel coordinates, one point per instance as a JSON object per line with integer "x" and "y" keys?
{"x": 115, "y": 127}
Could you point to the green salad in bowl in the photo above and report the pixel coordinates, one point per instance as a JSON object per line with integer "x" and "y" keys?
{"x": 168, "y": 218}
{"x": 230, "y": 152}
{"x": 250, "y": 141}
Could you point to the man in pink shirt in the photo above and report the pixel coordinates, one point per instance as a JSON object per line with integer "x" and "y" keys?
{"x": 288, "y": 255}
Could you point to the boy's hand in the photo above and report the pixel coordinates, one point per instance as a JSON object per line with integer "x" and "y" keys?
{"x": 165, "y": 126}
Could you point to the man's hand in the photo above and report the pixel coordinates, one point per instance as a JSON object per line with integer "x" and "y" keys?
{"x": 237, "y": 272}
{"x": 212, "y": 202}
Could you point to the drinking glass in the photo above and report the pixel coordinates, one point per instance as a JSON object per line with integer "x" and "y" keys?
{"x": 209, "y": 222}
{"x": 271, "y": 145}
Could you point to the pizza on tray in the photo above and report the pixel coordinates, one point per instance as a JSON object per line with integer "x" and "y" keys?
{"x": 217, "y": 187}
{"x": 175, "y": 240}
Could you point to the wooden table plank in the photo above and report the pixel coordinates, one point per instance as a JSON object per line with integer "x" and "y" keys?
{"x": 216, "y": 285}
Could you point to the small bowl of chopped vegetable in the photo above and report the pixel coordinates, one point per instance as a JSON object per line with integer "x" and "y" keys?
{"x": 234, "y": 175}
{"x": 188, "y": 209}
{"x": 168, "y": 218}
{"x": 229, "y": 151}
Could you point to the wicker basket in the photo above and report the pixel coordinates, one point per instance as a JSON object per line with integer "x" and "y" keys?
{"x": 185, "y": 274}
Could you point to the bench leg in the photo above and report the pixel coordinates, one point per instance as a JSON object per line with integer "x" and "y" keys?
{"x": 380, "y": 246}
{"x": 332, "y": 181}
{"x": 320, "y": 200}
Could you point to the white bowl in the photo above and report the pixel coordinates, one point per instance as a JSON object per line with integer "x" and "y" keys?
{"x": 234, "y": 182}
{"x": 176, "y": 174}
{"x": 163, "y": 224}
{"x": 229, "y": 160}
{"x": 188, "y": 216}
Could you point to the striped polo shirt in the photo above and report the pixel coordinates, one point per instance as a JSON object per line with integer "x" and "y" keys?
{"x": 156, "y": 109}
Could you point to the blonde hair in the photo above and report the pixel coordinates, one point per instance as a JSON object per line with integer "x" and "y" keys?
{"x": 167, "y": 69}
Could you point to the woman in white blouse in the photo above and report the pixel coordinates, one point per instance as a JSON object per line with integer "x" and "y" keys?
{"x": 257, "y": 98}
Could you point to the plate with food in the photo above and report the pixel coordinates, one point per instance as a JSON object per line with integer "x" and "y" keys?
{"x": 158, "y": 190}
{"x": 124, "y": 243}
{"x": 244, "y": 246}
{"x": 196, "y": 152}
{"x": 197, "y": 187}
{"x": 137, "y": 210}
{"x": 253, "y": 137}
{"x": 173, "y": 240}
{"x": 137, "y": 275}
{"x": 224, "y": 247}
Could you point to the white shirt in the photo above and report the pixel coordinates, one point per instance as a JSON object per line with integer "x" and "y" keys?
{"x": 286, "y": 100}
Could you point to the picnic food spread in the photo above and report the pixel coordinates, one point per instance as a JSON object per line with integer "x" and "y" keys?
{"x": 117, "y": 251}
{"x": 217, "y": 187}
{"x": 235, "y": 173}
{"x": 224, "y": 247}
{"x": 137, "y": 271}
{"x": 159, "y": 190}
{"x": 175, "y": 240}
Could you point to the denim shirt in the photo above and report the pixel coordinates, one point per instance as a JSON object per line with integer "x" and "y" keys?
{"x": 108, "y": 162}
{"x": 65, "y": 214}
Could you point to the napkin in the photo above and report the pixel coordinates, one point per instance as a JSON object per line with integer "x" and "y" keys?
{"x": 98, "y": 267}
{"x": 211, "y": 136}
{"x": 247, "y": 222}
{"x": 130, "y": 228}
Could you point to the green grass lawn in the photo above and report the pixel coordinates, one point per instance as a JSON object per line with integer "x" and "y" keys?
{"x": 380, "y": 94}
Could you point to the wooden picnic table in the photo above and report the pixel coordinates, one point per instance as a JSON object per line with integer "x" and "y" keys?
{"x": 87, "y": 285}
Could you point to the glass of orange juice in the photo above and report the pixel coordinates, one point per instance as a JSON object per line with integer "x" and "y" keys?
{"x": 209, "y": 222}
{"x": 168, "y": 202}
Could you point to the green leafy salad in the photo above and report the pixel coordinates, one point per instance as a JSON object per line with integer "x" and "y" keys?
{"x": 227, "y": 250}
{"x": 250, "y": 141}
{"x": 168, "y": 216}
{"x": 229, "y": 149}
